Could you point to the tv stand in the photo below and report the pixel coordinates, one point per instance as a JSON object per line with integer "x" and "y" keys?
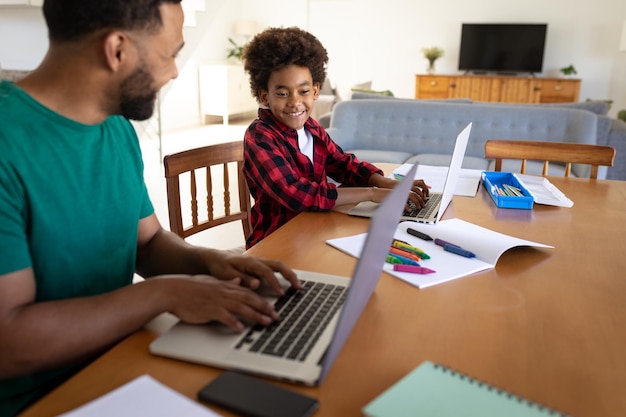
{"x": 499, "y": 73}
{"x": 498, "y": 88}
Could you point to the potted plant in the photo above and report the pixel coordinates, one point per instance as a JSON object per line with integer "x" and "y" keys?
{"x": 432, "y": 54}
{"x": 568, "y": 71}
{"x": 236, "y": 51}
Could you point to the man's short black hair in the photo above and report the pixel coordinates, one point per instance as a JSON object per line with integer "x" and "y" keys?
{"x": 70, "y": 20}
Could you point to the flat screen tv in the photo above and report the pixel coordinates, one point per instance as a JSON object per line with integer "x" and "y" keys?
{"x": 502, "y": 48}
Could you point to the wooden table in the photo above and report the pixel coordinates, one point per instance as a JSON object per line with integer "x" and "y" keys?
{"x": 546, "y": 324}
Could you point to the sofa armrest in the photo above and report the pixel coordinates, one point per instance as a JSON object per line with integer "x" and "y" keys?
{"x": 617, "y": 139}
{"x": 324, "y": 119}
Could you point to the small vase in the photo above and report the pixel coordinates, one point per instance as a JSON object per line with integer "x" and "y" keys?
{"x": 431, "y": 67}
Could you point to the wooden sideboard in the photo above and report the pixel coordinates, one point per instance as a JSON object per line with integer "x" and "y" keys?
{"x": 502, "y": 89}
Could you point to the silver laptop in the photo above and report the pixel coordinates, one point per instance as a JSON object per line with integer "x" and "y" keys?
{"x": 306, "y": 356}
{"x": 437, "y": 202}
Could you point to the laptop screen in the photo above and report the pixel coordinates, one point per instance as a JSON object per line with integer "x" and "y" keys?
{"x": 382, "y": 227}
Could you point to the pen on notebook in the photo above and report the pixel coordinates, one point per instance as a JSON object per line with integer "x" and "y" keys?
{"x": 413, "y": 269}
{"x": 419, "y": 234}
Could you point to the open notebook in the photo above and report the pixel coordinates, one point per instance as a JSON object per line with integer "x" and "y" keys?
{"x": 486, "y": 244}
{"x": 307, "y": 355}
{"x": 437, "y": 202}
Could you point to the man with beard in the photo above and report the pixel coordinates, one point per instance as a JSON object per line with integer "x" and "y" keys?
{"x": 75, "y": 218}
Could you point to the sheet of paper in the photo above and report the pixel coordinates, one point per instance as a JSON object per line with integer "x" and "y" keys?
{"x": 435, "y": 176}
{"x": 486, "y": 244}
{"x": 143, "y": 396}
{"x": 543, "y": 191}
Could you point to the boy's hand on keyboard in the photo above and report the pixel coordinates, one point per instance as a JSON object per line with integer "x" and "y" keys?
{"x": 419, "y": 186}
{"x": 417, "y": 197}
{"x": 419, "y": 190}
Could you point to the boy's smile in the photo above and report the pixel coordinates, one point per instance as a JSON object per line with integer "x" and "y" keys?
{"x": 291, "y": 95}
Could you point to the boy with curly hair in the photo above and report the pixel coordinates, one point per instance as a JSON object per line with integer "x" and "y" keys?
{"x": 288, "y": 155}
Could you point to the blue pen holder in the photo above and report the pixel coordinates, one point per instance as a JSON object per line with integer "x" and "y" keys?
{"x": 494, "y": 181}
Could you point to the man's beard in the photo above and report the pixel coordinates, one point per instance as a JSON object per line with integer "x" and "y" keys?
{"x": 138, "y": 95}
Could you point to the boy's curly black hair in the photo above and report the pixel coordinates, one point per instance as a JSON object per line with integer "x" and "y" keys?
{"x": 276, "y": 48}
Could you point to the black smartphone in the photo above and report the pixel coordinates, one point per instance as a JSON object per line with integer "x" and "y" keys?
{"x": 252, "y": 397}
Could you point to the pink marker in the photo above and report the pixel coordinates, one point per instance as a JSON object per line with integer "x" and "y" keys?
{"x": 412, "y": 269}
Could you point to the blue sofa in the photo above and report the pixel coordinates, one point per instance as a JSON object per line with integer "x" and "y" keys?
{"x": 423, "y": 131}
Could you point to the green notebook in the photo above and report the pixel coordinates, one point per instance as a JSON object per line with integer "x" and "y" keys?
{"x": 435, "y": 390}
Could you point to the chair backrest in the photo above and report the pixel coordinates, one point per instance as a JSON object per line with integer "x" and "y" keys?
{"x": 565, "y": 152}
{"x": 228, "y": 155}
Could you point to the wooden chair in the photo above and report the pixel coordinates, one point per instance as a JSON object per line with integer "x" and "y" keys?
{"x": 202, "y": 159}
{"x": 568, "y": 153}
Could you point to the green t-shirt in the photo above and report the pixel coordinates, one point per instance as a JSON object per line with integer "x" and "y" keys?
{"x": 71, "y": 197}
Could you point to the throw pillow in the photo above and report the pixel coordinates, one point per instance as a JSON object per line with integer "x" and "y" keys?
{"x": 376, "y": 92}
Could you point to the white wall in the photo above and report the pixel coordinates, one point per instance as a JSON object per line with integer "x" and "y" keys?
{"x": 380, "y": 40}
{"x": 23, "y": 37}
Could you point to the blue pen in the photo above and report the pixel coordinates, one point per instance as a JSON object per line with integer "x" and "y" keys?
{"x": 458, "y": 250}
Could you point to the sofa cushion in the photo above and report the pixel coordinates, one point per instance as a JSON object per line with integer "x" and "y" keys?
{"x": 372, "y": 93}
{"x": 595, "y": 106}
{"x": 601, "y": 108}
{"x": 360, "y": 95}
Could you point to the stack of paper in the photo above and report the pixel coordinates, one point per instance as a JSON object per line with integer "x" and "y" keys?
{"x": 435, "y": 177}
{"x": 143, "y": 396}
{"x": 543, "y": 191}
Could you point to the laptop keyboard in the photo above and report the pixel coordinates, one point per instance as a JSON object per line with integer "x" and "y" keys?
{"x": 425, "y": 212}
{"x": 304, "y": 314}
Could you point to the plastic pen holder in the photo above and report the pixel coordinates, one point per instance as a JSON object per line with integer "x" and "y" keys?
{"x": 494, "y": 181}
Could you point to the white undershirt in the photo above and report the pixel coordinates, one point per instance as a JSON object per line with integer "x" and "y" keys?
{"x": 305, "y": 142}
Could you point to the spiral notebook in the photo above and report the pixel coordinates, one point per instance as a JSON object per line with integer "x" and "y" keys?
{"x": 435, "y": 390}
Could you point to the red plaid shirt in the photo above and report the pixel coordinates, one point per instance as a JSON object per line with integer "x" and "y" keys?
{"x": 282, "y": 180}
